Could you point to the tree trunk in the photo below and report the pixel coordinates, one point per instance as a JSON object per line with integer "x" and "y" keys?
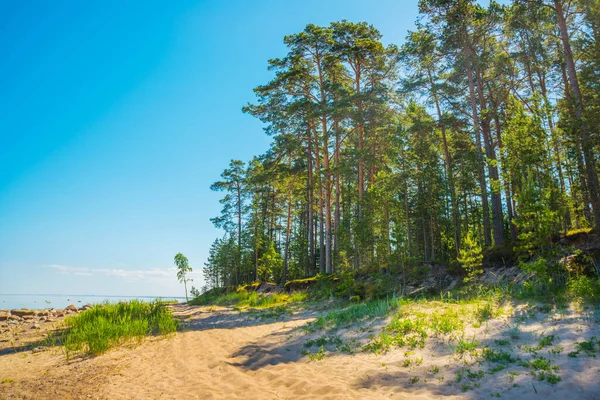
{"x": 497, "y": 217}
{"x": 449, "y": 171}
{"x": 328, "y": 263}
{"x": 238, "y": 251}
{"x": 587, "y": 145}
{"x": 288, "y": 229}
{"x": 482, "y": 182}
{"x": 507, "y": 194}
{"x": 337, "y": 216}
{"x": 321, "y": 213}
{"x": 256, "y": 246}
{"x": 310, "y": 209}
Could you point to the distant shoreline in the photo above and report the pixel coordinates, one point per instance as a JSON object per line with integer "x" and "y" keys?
{"x": 45, "y": 301}
{"x": 91, "y": 295}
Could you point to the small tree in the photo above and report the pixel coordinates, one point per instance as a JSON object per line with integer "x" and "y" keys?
{"x": 536, "y": 221}
{"x": 471, "y": 258}
{"x": 270, "y": 265}
{"x": 183, "y": 267}
{"x": 194, "y": 292}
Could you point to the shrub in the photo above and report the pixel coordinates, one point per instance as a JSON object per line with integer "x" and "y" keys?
{"x": 584, "y": 288}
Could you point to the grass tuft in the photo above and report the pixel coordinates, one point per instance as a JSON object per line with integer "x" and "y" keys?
{"x": 98, "y": 329}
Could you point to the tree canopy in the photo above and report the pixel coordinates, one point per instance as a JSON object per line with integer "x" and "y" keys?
{"x": 481, "y": 131}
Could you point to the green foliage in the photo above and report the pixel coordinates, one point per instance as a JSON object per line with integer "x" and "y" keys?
{"x": 466, "y": 347}
{"x": 486, "y": 312}
{"x": 587, "y": 346}
{"x": 536, "y": 220}
{"x": 249, "y": 298}
{"x": 498, "y": 356}
{"x": 584, "y": 288}
{"x": 270, "y": 265}
{"x": 546, "y": 341}
{"x": 363, "y": 178}
{"x": 471, "y": 258}
{"x": 96, "y": 330}
{"x": 318, "y": 356}
{"x": 194, "y": 292}
{"x": 183, "y": 268}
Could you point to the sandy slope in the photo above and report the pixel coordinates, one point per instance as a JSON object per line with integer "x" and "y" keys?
{"x": 223, "y": 354}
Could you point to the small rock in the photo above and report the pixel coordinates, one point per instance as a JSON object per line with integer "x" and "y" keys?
{"x": 36, "y": 326}
{"x": 58, "y": 312}
{"x": 71, "y": 307}
{"x": 39, "y": 349}
{"x": 43, "y": 313}
{"x": 4, "y": 314}
{"x": 86, "y": 307}
{"x": 13, "y": 318}
{"x": 22, "y": 312}
{"x": 28, "y": 317}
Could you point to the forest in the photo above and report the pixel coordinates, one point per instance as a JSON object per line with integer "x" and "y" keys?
{"x": 478, "y": 134}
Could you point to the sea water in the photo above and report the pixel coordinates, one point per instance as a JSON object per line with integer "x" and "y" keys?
{"x": 41, "y": 301}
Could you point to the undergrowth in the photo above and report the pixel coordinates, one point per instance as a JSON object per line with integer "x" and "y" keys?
{"x": 353, "y": 313}
{"x": 245, "y": 298}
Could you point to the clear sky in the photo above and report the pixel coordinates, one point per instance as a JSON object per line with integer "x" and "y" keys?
{"x": 115, "y": 118}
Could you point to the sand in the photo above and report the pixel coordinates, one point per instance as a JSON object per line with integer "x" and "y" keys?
{"x": 225, "y": 354}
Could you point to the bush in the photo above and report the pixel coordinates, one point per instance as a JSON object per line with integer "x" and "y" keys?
{"x": 584, "y": 288}
{"x": 96, "y": 330}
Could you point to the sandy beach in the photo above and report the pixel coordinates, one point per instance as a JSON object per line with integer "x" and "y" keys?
{"x": 222, "y": 353}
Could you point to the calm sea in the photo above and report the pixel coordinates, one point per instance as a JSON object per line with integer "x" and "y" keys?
{"x": 40, "y": 301}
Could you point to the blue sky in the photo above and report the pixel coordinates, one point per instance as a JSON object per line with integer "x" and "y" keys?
{"x": 115, "y": 118}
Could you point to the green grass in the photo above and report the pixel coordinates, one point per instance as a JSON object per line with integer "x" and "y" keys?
{"x": 542, "y": 364}
{"x": 246, "y": 298}
{"x": 3, "y": 381}
{"x": 587, "y": 346}
{"x": 96, "y": 330}
{"x": 419, "y": 319}
{"x": 546, "y": 341}
{"x": 544, "y": 370}
{"x": 275, "y": 312}
{"x": 486, "y": 312}
{"x": 468, "y": 346}
{"x": 514, "y": 331}
{"x": 318, "y": 356}
{"x": 353, "y": 313}
{"x": 498, "y": 356}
